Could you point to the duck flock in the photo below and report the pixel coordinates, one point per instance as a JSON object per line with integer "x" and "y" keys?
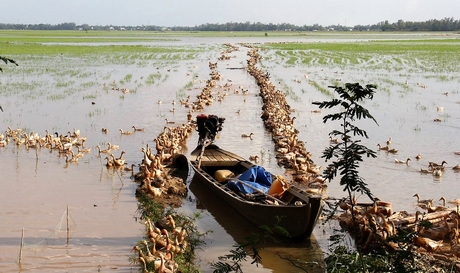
{"x": 71, "y": 145}
{"x": 434, "y": 168}
{"x": 434, "y": 231}
{"x": 276, "y": 115}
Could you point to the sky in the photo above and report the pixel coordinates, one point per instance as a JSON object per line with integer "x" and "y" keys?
{"x": 170, "y": 13}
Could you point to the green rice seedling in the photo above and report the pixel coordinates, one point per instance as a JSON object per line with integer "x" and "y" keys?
{"x": 88, "y": 84}
{"x": 85, "y": 97}
{"x": 128, "y": 78}
{"x": 152, "y": 77}
{"x": 56, "y": 97}
{"x": 320, "y": 88}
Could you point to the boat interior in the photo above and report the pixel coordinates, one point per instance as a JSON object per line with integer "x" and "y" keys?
{"x": 220, "y": 172}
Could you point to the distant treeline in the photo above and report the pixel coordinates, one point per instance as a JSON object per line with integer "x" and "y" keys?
{"x": 446, "y": 24}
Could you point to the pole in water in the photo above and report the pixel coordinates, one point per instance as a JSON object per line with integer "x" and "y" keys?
{"x": 22, "y": 245}
{"x": 67, "y": 218}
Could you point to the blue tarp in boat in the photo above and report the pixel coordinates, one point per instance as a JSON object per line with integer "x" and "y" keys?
{"x": 257, "y": 177}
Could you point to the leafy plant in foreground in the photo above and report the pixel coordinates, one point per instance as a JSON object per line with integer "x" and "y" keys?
{"x": 348, "y": 153}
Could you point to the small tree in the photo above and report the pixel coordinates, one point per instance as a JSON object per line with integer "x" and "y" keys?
{"x": 348, "y": 152}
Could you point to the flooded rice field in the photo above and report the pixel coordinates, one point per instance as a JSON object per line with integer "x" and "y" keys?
{"x": 80, "y": 217}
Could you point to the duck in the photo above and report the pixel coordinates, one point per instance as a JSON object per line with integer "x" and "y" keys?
{"x": 156, "y": 192}
{"x": 147, "y": 160}
{"x": 403, "y": 162}
{"x": 73, "y": 159}
{"x": 418, "y": 156}
{"x": 385, "y": 148}
{"x": 425, "y": 201}
{"x": 454, "y": 202}
{"x": 78, "y": 154}
{"x": 147, "y": 258}
{"x": 83, "y": 149}
{"x": 158, "y": 145}
{"x": 427, "y": 243}
{"x": 437, "y": 172}
{"x": 129, "y": 168}
{"x": 425, "y": 170}
{"x": 76, "y": 133}
{"x": 443, "y": 199}
{"x": 109, "y": 162}
{"x": 169, "y": 121}
{"x": 112, "y": 147}
{"x": 313, "y": 168}
{"x": 120, "y": 161}
{"x": 162, "y": 268}
{"x": 247, "y": 136}
{"x": 374, "y": 208}
{"x": 152, "y": 250}
{"x": 456, "y": 167}
{"x": 333, "y": 140}
{"x": 105, "y": 130}
{"x": 389, "y": 141}
{"x": 138, "y": 129}
{"x": 437, "y": 165}
{"x": 345, "y": 204}
{"x": 125, "y": 132}
{"x": 393, "y": 151}
{"x": 106, "y": 151}
{"x": 254, "y": 158}
{"x": 387, "y": 225}
{"x": 438, "y": 208}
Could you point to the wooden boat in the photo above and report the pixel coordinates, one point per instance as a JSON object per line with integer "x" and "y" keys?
{"x": 296, "y": 211}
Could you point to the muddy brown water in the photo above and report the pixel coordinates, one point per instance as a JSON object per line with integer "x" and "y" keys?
{"x": 38, "y": 185}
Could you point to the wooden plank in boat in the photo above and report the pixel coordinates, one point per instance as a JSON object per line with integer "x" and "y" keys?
{"x": 214, "y": 155}
{"x": 205, "y": 163}
{"x": 299, "y": 194}
{"x": 232, "y": 156}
